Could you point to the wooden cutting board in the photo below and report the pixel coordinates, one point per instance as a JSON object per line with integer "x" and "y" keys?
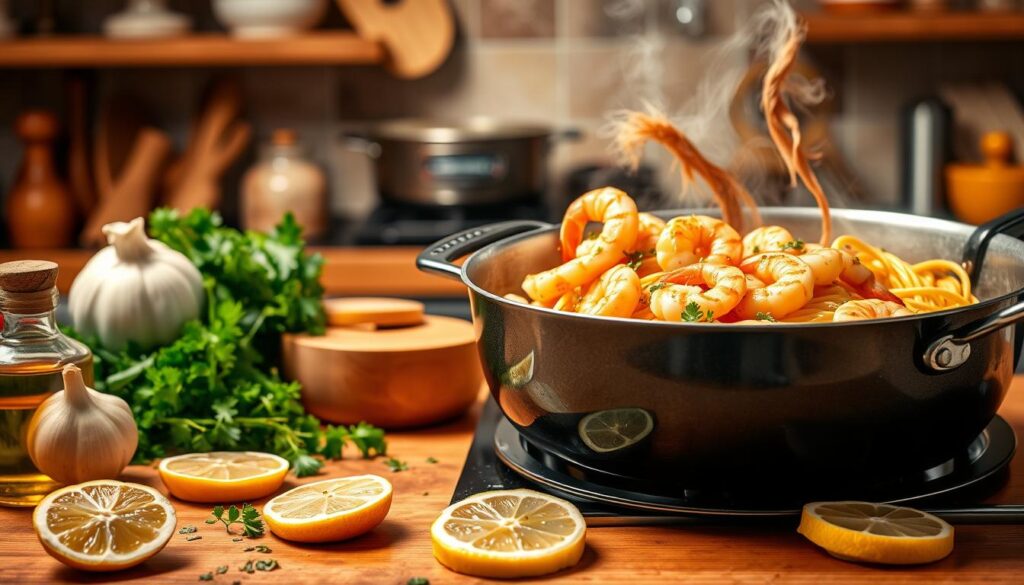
{"x": 390, "y": 377}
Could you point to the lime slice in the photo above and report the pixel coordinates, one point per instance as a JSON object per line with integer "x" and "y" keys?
{"x": 520, "y": 374}
{"x": 611, "y": 430}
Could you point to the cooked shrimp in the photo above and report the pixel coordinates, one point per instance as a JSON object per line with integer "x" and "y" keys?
{"x": 790, "y": 284}
{"x": 869, "y": 309}
{"x": 618, "y": 212}
{"x": 827, "y": 264}
{"x": 649, "y": 231}
{"x": 615, "y": 294}
{"x": 691, "y": 239}
{"x": 608, "y": 205}
{"x": 754, "y": 282}
{"x": 569, "y": 302}
{"x": 769, "y": 238}
{"x": 681, "y": 288}
{"x": 862, "y": 280}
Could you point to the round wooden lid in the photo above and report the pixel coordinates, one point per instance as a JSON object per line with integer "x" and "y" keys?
{"x": 434, "y": 333}
{"x": 383, "y": 312}
{"x": 27, "y": 276}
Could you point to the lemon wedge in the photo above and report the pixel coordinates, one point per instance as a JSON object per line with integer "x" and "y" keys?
{"x": 876, "y": 533}
{"x": 520, "y": 374}
{"x": 104, "y": 525}
{"x": 329, "y": 510}
{"x": 613, "y": 430}
{"x": 512, "y": 533}
{"x": 223, "y": 476}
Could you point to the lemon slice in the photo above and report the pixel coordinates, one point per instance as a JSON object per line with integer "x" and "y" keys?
{"x": 513, "y": 533}
{"x": 223, "y": 476}
{"x": 329, "y": 510}
{"x": 520, "y": 374}
{"x": 876, "y": 533}
{"x": 104, "y": 525}
{"x": 611, "y": 430}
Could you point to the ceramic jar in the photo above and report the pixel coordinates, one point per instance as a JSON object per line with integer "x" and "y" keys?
{"x": 268, "y": 18}
{"x": 284, "y": 181}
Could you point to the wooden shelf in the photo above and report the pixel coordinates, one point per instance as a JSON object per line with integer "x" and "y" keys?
{"x": 824, "y": 28}
{"x": 347, "y": 271}
{"x": 327, "y": 48}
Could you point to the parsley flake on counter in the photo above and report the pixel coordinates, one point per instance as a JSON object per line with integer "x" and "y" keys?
{"x": 418, "y": 581}
{"x": 193, "y": 537}
{"x": 431, "y": 460}
{"x": 261, "y": 548}
{"x": 251, "y": 566}
{"x": 187, "y": 529}
{"x": 222, "y": 569}
{"x": 208, "y": 576}
{"x": 395, "y": 465}
{"x": 248, "y": 517}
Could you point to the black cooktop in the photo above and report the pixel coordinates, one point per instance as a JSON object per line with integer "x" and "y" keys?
{"x": 500, "y": 458}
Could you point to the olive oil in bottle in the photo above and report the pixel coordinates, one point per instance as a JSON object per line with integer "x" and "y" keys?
{"x": 33, "y": 353}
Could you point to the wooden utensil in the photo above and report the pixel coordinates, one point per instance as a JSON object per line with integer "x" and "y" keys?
{"x": 217, "y": 140}
{"x": 381, "y": 312}
{"x": 394, "y": 377}
{"x": 417, "y": 35}
{"x": 132, "y": 193}
{"x": 40, "y": 209}
{"x": 79, "y": 165}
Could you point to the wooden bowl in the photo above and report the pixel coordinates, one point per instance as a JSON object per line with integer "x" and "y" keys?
{"x": 393, "y": 377}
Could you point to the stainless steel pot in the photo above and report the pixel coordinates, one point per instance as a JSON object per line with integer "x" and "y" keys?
{"x": 728, "y": 401}
{"x": 480, "y": 161}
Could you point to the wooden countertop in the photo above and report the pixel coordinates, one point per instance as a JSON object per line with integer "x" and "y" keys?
{"x": 400, "y": 547}
{"x": 348, "y": 271}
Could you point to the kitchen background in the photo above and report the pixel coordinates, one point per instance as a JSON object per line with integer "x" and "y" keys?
{"x": 566, "y": 63}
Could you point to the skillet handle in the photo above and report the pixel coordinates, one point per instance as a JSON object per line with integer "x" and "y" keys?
{"x": 438, "y": 257}
{"x": 1011, "y": 224}
{"x": 951, "y": 350}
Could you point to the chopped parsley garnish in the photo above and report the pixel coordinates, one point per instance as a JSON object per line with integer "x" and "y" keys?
{"x": 431, "y": 459}
{"x": 792, "y": 245}
{"x": 222, "y": 569}
{"x": 193, "y": 537}
{"x": 693, "y": 314}
{"x": 757, "y": 249}
{"x": 261, "y": 548}
{"x": 418, "y": 581}
{"x": 248, "y": 517}
{"x": 657, "y": 286}
{"x": 635, "y": 259}
{"x": 762, "y": 316}
{"x": 253, "y": 566}
{"x": 395, "y": 465}
{"x": 207, "y": 576}
{"x": 188, "y": 529}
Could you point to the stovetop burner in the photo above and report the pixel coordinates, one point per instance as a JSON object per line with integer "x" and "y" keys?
{"x": 500, "y": 458}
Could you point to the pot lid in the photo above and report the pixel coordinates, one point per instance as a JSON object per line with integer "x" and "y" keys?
{"x": 997, "y": 148}
{"x": 448, "y": 131}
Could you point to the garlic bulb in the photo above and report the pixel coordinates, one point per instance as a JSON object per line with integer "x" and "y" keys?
{"x": 79, "y": 434}
{"x": 135, "y": 289}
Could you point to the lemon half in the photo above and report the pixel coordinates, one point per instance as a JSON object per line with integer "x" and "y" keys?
{"x": 512, "y": 533}
{"x": 104, "y": 525}
{"x": 876, "y": 533}
{"x": 223, "y": 476}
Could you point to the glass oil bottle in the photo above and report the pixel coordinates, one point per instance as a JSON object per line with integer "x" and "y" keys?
{"x": 33, "y": 352}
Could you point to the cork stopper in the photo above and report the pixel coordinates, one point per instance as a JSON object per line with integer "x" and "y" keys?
{"x": 26, "y": 276}
{"x": 27, "y": 286}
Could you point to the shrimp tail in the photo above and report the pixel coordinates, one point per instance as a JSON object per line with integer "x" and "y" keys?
{"x": 637, "y": 128}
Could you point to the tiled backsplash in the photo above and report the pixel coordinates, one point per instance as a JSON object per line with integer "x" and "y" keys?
{"x": 564, "y": 62}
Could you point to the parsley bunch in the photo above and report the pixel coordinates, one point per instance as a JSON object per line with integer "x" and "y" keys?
{"x": 216, "y": 386}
